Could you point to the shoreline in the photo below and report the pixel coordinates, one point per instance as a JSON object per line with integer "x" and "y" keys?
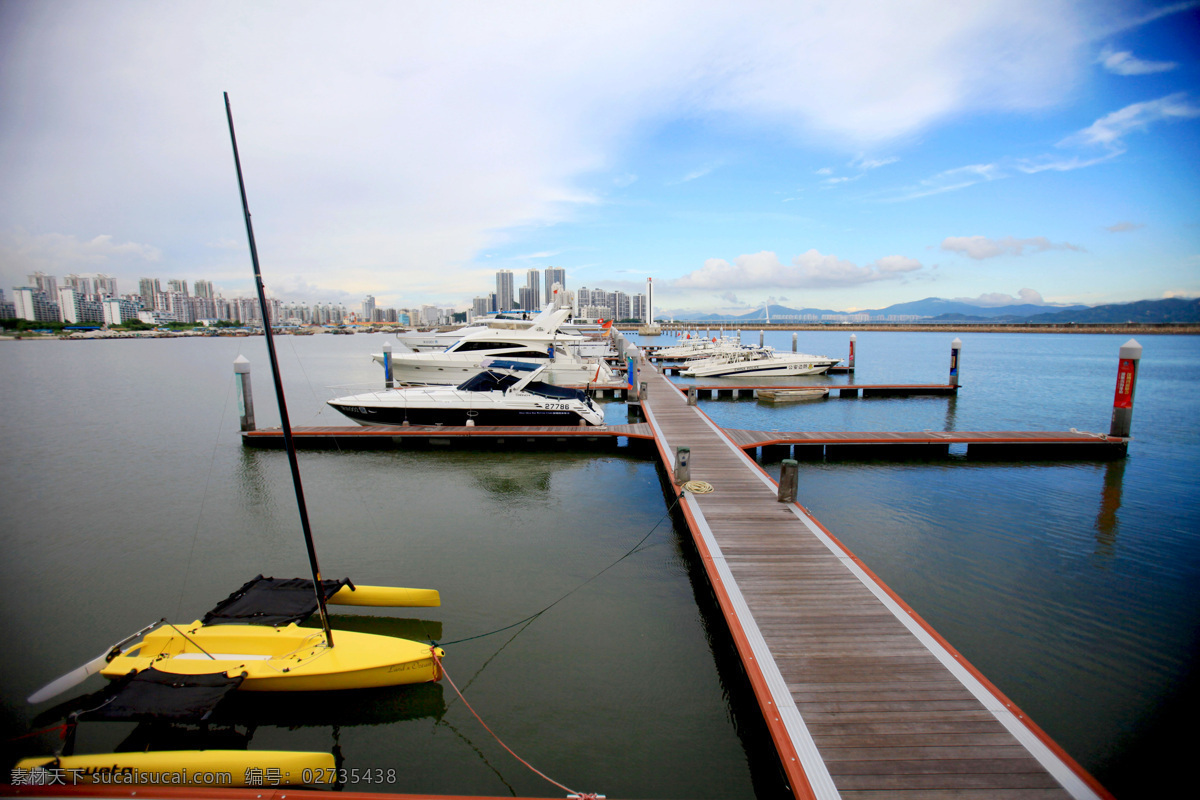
{"x": 1184, "y": 328}
{"x": 1168, "y": 328}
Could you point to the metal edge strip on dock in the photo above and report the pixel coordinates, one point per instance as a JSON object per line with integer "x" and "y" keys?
{"x": 1069, "y": 773}
{"x": 808, "y": 770}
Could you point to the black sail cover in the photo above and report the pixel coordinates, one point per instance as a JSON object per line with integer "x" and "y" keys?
{"x": 156, "y": 696}
{"x": 272, "y": 601}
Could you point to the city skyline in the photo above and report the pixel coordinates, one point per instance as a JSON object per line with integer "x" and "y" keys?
{"x": 846, "y": 157}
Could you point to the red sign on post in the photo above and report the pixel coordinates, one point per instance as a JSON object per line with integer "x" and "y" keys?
{"x": 1125, "y": 375}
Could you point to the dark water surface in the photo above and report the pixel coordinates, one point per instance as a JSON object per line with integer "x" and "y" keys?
{"x": 125, "y": 495}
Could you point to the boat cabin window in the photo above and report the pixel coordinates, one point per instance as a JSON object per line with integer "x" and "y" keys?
{"x": 464, "y": 347}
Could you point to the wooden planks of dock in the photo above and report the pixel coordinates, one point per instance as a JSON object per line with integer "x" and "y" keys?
{"x": 815, "y": 445}
{"x": 383, "y": 436}
{"x": 862, "y": 698}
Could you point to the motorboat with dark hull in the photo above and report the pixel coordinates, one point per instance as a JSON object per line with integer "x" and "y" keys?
{"x": 504, "y": 393}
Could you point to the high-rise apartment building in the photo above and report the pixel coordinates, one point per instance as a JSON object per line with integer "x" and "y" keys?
{"x": 203, "y": 289}
{"x": 81, "y": 285}
{"x": 46, "y": 284}
{"x": 151, "y": 292}
{"x": 33, "y": 304}
{"x": 368, "y": 308}
{"x": 106, "y": 285}
{"x": 504, "y": 290}
{"x": 533, "y": 279}
{"x": 554, "y": 275}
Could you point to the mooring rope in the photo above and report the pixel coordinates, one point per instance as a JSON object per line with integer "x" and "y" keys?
{"x": 571, "y": 793}
{"x": 537, "y": 614}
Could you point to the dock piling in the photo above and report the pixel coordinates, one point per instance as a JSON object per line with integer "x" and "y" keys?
{"x": 789, "y": 476}
{"x": 387, "y": 365}
{"x": 794, "y": 336}
{"x": 955, "y": 350}
{"x": 1122, "y": 417}
{"x": 241, "y": 368}
{"x": 683, "y": 466}
{"x": 850, "y": 363}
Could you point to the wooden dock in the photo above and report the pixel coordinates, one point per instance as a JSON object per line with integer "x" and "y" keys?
{"x": 992, "y": 445}
{"x": 360, "y": 437}
{"x": 862, "y": 698}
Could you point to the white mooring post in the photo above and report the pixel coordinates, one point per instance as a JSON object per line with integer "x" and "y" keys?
{"x": 241, "y": 368}
{"x": 387, "y": 365}
{"x": 955, "y": 351}
{"x": 683, "y": 468}
{"x": 850, "y": 363}
{"x": 1122, "y": 416}
{"x": 789, "y": 476}
{"x": 794, "y": 336}
{"x": 760, "y": 338}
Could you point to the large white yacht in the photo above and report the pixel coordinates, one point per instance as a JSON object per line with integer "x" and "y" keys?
{"x": 503, "y": 393}
{"x": 542, "y": 343}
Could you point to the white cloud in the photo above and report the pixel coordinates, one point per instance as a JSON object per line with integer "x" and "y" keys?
{"x": 1110, "y": 130}
{"x": 810, "y": 270}
{"x": 994, "y": 299}
{"x": 950, "y": 180}
{"x": 55, "y": 253}
{"x": 1124, "y": 63}
{"x": 1185, "y": 294}
{"x": 864, "y": 163}
{"x": 981, "y": 247}
{"x": 1124, "y": 227}
{"x": 700, "y": 172}
{"x": 388, "y": 145}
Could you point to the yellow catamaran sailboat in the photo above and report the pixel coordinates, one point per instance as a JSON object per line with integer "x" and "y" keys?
{"x": 278, "y": 655}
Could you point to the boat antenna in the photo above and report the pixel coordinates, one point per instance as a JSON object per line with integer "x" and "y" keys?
{"x": 283, "y": 415}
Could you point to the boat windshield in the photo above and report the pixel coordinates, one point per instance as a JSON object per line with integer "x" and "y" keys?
{"x": 487, "y": 381}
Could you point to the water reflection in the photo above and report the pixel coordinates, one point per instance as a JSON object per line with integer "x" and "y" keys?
{"x": 1107, "y": 523}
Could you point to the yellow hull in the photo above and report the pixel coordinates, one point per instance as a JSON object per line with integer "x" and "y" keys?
{"x": 211, "y": 768}
{"x": 389, "y": 596}
{"x": 286, "y": 659}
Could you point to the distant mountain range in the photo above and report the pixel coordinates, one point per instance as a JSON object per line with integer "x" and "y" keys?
{"x": 936, "y": 309}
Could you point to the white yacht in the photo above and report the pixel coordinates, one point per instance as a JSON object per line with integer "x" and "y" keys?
{"x": 503, "y": 393}
{"x": 758, "y": 362}
{"x": 542, "y": 343}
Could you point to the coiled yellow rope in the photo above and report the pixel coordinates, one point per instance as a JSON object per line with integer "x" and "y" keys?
{"x": 698, "y": 487}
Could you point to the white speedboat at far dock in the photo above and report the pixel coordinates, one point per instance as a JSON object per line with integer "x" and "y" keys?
{"x": 758, "y": 362}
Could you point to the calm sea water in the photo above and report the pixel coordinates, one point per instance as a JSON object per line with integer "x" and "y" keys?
{"x": 125, "y": 495}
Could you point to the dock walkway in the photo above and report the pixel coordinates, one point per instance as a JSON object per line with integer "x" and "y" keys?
{"x": 862, "y": 698}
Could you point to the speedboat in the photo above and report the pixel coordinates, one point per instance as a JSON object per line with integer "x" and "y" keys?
{"x": 759, "y": 361}
{"x": 504, "y": 392}
{"x": 700, "y": 348}
{"x": 540, "y": 344}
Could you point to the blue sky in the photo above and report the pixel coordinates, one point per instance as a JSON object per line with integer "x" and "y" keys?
{"x": 840, "y": 155}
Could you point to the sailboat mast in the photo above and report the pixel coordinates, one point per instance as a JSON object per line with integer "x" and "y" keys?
{"x": 283, "y": 415}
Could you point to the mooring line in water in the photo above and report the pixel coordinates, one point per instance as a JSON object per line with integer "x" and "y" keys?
{"x": 537, "y": 614}
{"x": 571, "y": 793}
{"x": 187, "y": 569}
